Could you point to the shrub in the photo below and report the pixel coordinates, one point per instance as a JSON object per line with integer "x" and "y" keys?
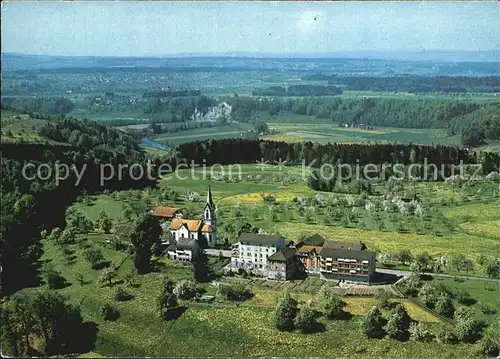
{"x": 121, "y": 295}
{"x": 464, "y": 297}
{"x": 235, "y": 293}
{"x": 490, "y": 348}
{"x": 94, "y": 256}
{"x": 444, "y": 305}
{"x": 185, "y": 289}
{"x": 305, "y": 319}
{"x": 446, "y": 335}
{"x": 54, "y": 278}
{"x": 109, "y": 312}
{"x": 420, "y": 332}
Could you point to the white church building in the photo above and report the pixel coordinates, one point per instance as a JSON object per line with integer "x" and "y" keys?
{"x": 203, "y": 231}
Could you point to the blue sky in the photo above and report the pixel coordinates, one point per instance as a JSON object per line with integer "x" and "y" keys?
{"x": 122, "y": 28}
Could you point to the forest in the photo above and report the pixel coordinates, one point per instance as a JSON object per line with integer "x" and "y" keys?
{"x": 413, "y": 83}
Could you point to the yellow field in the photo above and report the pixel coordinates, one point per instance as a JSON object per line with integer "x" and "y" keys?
{"x": 285, "y": 194}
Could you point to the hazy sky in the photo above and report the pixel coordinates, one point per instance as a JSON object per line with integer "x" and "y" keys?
{"x": 122, "y": 28}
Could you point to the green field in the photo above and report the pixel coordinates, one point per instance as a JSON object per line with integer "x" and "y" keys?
{"x": 233, "y": 130}
{"x": 329, "y": 132}
{"x": 223, "y": 329}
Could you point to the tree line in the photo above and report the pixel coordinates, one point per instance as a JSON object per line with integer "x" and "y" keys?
{"x": 227, "y": 151}
{"x": 412, "y": 83}
{"x": 299, "y": 90}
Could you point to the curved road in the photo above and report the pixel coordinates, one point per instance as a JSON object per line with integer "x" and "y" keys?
{"x": 407, "y": 273}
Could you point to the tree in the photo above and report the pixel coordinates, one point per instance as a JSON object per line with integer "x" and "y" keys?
{"x": 305, "y": 319}
{"x": 446, "y": 335}
{"x": 420, "y": 332}
{"x": 383, "y": 298}
{"x": 146, "y": 232}
{"x": 457, "y": 262}
{"x": 58, "y": 320}
{"x": 404, "y": 256}
{"x": 286, "y": 310}
{"x": 493, "y": 269}
{"x": 467, "y": 329}
{"x": 80, "y": 278}
{"x": 109, "y": 312}
{"x": 467, "y": 265}
{"x": 167, "y": 300}
{"x": 53, "y": 278}
{"x": 374, "y": 324}
{"x": 331, "y": 303}
{"x": 104, "y": 224}
{"x": 185, "y": 289}
{"x": 261, "y": 127}
{"x": 201, "y": 270}
{"x": 94, "y": 256}
{"x": 398, "y": 323}
{"x": 428, "y": 294}
{"x": 444, "y": 305}
{"x": 107, "y": 275}
{"x": 18, "y": 323}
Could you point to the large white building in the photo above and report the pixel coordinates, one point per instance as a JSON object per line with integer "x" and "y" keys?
{"x": 254, "y": 249}
{"x": 203, "y": 231}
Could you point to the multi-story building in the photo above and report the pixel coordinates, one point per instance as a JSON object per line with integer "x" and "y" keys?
{"x": 282, "y": 265}
{"x": 308, "y": 253}
{"x": 253, "y": 250}
{"x": 350, "y": 264}
{"x": 349, "y": 261}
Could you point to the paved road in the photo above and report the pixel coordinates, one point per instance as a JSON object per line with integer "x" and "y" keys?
{"x": 407, "y": 273}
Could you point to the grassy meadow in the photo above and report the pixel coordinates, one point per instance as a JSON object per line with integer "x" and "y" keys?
{"x": 222, "y": 329}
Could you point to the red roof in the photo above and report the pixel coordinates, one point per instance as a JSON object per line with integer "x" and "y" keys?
{"x": 166, "y": 212}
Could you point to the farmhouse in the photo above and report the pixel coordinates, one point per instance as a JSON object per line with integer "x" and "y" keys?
{"x": 166, "y": 213}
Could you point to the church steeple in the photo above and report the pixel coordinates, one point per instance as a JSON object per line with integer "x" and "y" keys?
{"x": 209, "y": 197}
{"x": 209, "y": 210}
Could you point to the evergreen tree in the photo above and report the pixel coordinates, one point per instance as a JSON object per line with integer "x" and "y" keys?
{"x": 398, "y": 323}
{"x": 374, "y": 324}
{"x": 201, "y": 269}
{"x": 167, "y": 300}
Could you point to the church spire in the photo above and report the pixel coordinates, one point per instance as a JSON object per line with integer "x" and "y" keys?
{"x": 209, "y": 196}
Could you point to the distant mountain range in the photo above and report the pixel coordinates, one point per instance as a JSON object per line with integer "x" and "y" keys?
{"x": 249, "y": 60}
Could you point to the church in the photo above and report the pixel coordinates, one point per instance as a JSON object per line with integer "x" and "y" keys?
{"x": 202, "y": 231}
